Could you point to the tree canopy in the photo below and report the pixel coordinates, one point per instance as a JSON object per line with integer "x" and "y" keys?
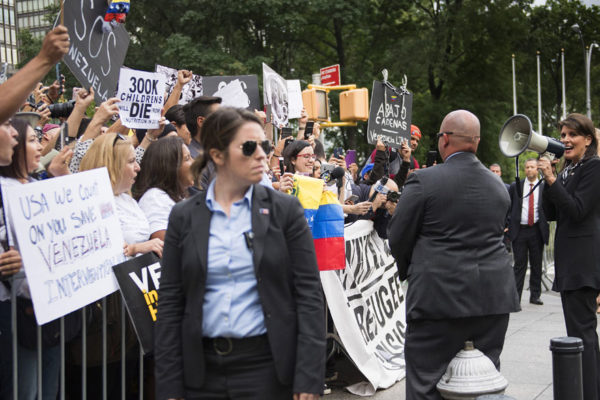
{"x": 455, "y": 53}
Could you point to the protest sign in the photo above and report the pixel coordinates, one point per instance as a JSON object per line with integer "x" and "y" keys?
{"x": 142, "y": 98}
{"x": 69, "y": 237}
{"x": 236, "y": 91}
{"x": 366, "y": 303}
{"x": 190, "y": 90}
{"x": 275, "y": 94}
{"x": 138, "y": 280}
{"x": 389, "y": 115}
{"x": 94, "y": 57}
{"x": 294, "y": 98}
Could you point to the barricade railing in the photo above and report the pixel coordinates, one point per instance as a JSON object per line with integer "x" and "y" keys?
{"x": 85, "y": 320}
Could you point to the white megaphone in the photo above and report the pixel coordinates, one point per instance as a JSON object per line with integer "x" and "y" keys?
{"x": 517, "y": 135}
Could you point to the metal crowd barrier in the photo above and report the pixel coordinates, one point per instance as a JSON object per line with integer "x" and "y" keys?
{"x": 83, "y": 338}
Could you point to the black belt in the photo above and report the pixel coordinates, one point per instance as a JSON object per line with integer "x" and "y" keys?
{"x": 224, "y": 346}
{"x": 528, "y": 226}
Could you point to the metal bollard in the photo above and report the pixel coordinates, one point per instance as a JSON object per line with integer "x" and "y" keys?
{"x": 566, "y": 368}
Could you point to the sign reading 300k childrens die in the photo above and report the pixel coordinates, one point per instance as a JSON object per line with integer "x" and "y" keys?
{"x": 141, "y": 96}
{"x": 69, "y": 237}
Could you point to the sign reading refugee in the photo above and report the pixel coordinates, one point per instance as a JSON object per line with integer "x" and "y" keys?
{"x": 94, "y": 57}
{"x": 142, "y": 98}
{"x": 389, "y": 115}
{"x": 69, "y": 237}
{"x": 366, "y": 303}
{"x": 138, "y": 280}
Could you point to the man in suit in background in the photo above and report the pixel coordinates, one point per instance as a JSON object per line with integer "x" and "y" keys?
{"x": 446, "y": 236}
{"x": 528, "y": 231}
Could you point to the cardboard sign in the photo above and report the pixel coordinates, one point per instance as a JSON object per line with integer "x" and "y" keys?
{"x": 330, "y": 76}
{"x": 142, "y": 98}
{"x": 190, "y": 90}
{"x": 95, "y": 57}
{"x": 275, "y": 93}
{"x": 69, "y": 237}
{"x": 389, "y": 116}
{"x": 138, "y": 280}
{"x": 236, "y": 91}
{"x": 294, "y": 98}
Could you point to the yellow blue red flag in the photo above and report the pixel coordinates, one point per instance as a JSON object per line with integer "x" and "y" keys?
{"x": 325, "y": 218}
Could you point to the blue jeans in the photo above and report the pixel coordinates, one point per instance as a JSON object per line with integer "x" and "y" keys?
{"x": 28, "y": 373}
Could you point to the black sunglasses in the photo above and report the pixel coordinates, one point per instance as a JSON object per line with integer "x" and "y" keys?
{"x": 117, "y": 137}
{"x": 249, "y": 147}
{"x": 439, "y": 135}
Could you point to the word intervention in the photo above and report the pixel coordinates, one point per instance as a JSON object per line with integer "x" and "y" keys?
{"x": 69, "y": 250}
{"x": 68, "y": 284}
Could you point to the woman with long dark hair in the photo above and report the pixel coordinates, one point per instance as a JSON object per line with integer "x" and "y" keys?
{"x": 241, "y": 308}
{"x": 164, "y": 180}
{"x": 573, "y": 199}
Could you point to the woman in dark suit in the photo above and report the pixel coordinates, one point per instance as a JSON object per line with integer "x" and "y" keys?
{"x": 240, "y": 314}
{"x": 573, "y": 199}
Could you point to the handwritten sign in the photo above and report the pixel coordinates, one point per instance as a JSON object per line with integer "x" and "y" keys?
{"x": 138, "y": 280}
{"x": 69, "y": 237}
{"x": 142, "y": 98}
{"x": 389, "y": 115}
{"x": 94, "y": 57}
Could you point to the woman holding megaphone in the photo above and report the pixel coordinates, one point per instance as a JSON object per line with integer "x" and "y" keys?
{"x": 573, "y": 199}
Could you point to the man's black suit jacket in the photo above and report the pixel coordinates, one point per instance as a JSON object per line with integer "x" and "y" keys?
{"x": 288, "y": 285}
{"x": 515, "y": 211}
{"x": 576, "y": 208}
{"x": 446, "y": 236}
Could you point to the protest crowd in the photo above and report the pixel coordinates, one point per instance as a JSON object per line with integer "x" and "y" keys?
{"x": 213, "y": 193}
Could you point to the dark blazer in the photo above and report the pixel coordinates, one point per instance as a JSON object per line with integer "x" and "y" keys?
{"x": 514, "y": 223}
{"x": 576, "y": 208}
{"x": 289, "y": 289}
{"x": 446, "y": 235}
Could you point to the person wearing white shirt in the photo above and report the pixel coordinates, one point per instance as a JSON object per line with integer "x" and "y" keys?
{"x": 528, "y": 231}
{"x": 164, "y": 180}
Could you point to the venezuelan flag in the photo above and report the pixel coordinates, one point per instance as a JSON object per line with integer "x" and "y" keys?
{"x": 325, "y": 218}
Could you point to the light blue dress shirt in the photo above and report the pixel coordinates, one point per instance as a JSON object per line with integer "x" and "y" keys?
{"x": 231, "y": 304}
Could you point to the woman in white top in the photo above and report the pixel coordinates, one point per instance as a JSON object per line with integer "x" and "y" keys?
{"x": 164, "y": 180}
{"x": 116, "y": 153}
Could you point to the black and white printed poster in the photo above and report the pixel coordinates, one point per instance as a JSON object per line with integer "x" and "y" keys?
{"x": 236, "y": 91}
{"x": 190, "y": 91}
{"x": 95, "y": 57}
{"x": 275, "y": 94}
{"x": 138, "y": 280}
{"x": 389, "y": 115}
{"x": 366, "y": 302}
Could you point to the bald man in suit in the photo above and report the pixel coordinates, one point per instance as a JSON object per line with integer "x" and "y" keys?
{"x": 446, "y": 236}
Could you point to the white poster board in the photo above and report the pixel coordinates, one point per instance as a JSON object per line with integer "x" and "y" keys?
{"x": 69, "y": 237}
{"x": 275, "y": 94}
{"x": 142, "y": 98}
{"x": 294, "y": 98}
{"x": 367, "y": 305}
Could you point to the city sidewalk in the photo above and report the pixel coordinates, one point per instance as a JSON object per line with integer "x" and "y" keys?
{"x": 526, "y": 361}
